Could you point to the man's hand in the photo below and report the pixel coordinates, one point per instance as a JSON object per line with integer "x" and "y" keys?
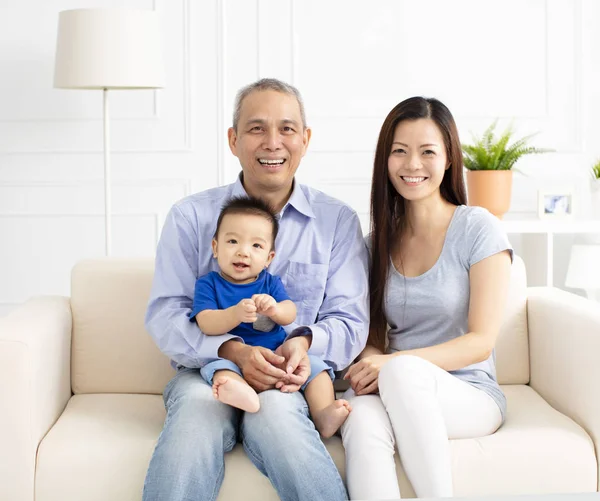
{"x": 265, "y": 304}
{"x": 245, "y": 311}
{"x": 258, "y": 364}
{"x": 364, "y": 375}
{"x": 297, "y": 364}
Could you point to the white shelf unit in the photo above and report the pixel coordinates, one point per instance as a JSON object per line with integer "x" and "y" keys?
{"x": 538, "y": 240}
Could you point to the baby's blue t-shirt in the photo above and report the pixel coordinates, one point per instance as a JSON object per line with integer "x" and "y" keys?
{"x": 434, "y": 307}
{"x": 213, "y": 292}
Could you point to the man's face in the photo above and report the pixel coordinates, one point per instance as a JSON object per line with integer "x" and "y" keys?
{"x": 270, "y": 141}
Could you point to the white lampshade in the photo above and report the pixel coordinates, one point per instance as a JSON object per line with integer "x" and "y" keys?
{"x": 109, "y": 49}
{"x": 584, "y": 267}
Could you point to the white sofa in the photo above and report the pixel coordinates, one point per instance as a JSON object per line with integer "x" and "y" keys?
{"x": 81, "y": 385}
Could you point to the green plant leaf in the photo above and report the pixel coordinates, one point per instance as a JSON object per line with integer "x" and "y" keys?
{"x": 596, "y": 170}
{"x": 492, "y": 153}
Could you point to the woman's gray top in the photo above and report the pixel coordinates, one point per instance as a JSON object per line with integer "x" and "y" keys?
{"x": 433, "y": 308}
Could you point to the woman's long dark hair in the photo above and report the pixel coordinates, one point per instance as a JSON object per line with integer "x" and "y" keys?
{"x": 388, "y": 211}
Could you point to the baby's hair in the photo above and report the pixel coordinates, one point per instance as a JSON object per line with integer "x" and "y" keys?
{"x": 252, "y": 206}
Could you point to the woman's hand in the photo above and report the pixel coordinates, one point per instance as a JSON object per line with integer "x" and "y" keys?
{"x": 364, "y": 375}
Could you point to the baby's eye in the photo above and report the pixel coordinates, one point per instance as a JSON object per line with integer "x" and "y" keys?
{"x": 232, "y": 241}
{"x": 258, "y": 246}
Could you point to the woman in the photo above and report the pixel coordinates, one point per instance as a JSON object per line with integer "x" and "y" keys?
{"x": 439, "y": 278}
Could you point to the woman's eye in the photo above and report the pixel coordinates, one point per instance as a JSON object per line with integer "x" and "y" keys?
{"x": 398, "y": 150}
{"x": 429, "y": 152}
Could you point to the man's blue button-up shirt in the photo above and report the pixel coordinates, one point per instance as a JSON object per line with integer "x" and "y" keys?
{"x": 320, "y": 256}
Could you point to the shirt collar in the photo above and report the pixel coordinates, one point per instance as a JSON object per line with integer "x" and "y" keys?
{"x": 238, "y": 188}
{"x": 297, "y": 200}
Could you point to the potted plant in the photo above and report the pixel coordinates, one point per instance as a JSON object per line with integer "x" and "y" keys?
{"x": 595, "y": 185}
{"x": 489, "y": 162}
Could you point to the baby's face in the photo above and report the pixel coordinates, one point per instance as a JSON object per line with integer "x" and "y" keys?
{"x": 243, "y": 247}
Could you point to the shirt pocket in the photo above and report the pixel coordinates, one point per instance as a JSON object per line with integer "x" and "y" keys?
{"x": 305, "y": 284}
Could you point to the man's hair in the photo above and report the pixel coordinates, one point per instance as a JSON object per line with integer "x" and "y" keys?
{"x": 252, "y": 206}
{"x": 266, "y": 84}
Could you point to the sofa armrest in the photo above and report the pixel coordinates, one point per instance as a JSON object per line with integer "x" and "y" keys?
{"x": 564, "y": 341}
{"x": 35, "y": 366}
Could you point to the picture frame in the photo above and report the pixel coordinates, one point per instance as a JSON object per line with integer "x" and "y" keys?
{"x": 555, "y": 204}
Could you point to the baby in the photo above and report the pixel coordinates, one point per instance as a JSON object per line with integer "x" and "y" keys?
{"x": 245, "y": 300}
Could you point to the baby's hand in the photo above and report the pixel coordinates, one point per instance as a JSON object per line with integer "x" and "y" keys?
{"x": 245, "y": 311}
{"x": 265, "y": 304}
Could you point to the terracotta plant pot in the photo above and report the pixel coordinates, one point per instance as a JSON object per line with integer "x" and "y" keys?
{"x": 490, "y": 189}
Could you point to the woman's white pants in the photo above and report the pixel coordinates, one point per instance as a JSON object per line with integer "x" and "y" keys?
{"x": 419, "y": 407}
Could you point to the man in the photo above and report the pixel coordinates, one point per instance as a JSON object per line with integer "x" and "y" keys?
{"x": 322, "y": 261}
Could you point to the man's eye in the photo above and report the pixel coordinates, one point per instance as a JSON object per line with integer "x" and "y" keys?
{"x": 288, "y": 129}
{"x": 256, "y": 128}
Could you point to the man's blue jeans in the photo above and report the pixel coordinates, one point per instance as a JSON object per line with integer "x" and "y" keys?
{"x": 282, "y": 442}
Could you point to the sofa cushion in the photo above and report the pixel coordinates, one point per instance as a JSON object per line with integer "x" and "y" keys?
{"x": 101, "y": 446}
{"x": 111, "y": 350}
{"x": 536, "y": 450}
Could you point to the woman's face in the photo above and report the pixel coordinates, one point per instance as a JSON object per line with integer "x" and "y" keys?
{"x": 418, "y": 159}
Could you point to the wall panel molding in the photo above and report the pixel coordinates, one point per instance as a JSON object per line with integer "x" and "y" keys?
{"x": 167, "y": 143}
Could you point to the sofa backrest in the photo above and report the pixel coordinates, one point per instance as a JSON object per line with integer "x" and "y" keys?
{"x": 113, "y": 353}
{"x": 111, "y": 350}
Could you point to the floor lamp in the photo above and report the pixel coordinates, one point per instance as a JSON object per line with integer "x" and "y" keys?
{"x": 105, "y": 49}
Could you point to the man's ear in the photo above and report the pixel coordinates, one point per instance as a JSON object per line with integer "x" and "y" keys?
{"x": 306, "y": 135}
{"x": 232, "y": 139}
{"x": 214, "y": 247}
{"x": 270, "y": 258}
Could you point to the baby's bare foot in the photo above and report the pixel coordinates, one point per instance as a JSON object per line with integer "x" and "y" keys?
{"x": 235, "y": 393}
{"x": 329, "y": 419}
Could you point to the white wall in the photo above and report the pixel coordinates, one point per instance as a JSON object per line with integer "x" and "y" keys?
{"x": 531, "y": 61}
